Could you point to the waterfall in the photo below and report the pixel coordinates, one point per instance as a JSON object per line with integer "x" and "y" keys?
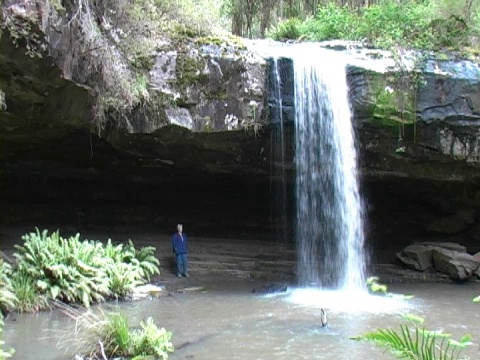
{"x": 278, "y": 173}
{"x": 329, "y": 217}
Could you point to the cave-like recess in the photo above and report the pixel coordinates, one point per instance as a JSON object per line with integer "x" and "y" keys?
{"x": 57, "y": 173}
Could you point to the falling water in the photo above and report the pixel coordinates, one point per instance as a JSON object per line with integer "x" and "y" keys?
{"x": 329, "y": 222}
{"x": 278, "y": 151}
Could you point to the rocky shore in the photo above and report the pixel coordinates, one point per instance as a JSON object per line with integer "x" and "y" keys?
{"x": 224, "y": 263}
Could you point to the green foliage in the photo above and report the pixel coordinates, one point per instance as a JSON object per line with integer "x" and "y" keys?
{"x": 4, "y": 354}
{"x": 22, "y": 28}
{"x": 331, "y": 22}
{"x": 29, "y": 297}
{"x": 223, "y": 40}
{"x": 390, "y": 23}
{"x": 65, "y": 269}
{"x": 375, "y": 287}
{"x": 476, "y": 299}
{"x": 150, "y": 340}
{"x": 129, "y": 267}
{"x": 412, "y": 342}
{"x": 430, "y": 24}
{"x": 115, "y": 336}
{"x": 289, "y": 29}
{"x": 8, "y": 299}
{"x": 74, "y": 271}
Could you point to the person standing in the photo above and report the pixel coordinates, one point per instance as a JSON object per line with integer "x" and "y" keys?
{"x": 180, "y": 250}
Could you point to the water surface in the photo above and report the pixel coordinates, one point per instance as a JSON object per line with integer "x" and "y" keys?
{"x": 230, "y": 322}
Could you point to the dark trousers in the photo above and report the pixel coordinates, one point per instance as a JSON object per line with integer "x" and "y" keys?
{"x": 182, "y": 263}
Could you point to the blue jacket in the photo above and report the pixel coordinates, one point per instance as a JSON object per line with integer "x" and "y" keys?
{"x": 179, "y": 245}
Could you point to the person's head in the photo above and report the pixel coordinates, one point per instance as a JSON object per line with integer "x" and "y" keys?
{"x": 179, "y": 228}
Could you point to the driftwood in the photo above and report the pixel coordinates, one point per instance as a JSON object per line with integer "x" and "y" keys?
{"x": 271, "y": 289}
{"x": 191, "y": 289}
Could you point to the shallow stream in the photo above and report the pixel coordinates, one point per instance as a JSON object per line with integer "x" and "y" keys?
{"x": 228, "y": 321}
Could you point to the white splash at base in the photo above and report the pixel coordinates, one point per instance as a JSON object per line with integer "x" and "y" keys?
{"x": 347, "y": 301}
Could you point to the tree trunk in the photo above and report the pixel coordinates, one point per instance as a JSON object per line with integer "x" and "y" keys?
{"x": 266, "y": 16}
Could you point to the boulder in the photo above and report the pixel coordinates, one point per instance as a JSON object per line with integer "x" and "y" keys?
{"x": 445, "y": 245}
{"x": 459, "y": 266}
{"x": 477, "y": 256}
{"x": 417, "y": 257}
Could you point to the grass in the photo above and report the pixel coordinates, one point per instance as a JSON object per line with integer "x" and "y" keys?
{"x": 28, "y": 297}
{"x": 107, "y": 335}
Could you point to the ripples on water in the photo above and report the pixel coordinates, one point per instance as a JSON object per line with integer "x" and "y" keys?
{"x": 241, "y": 325}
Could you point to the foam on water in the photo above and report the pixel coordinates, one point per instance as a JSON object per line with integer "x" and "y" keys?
{"x": 347, "y": 301}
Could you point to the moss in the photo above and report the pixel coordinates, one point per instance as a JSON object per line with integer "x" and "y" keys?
{"x": 205, "y": 123}
{"x": 390, "y": 106}
{"x": 189, "y": 70}
{"x": 391, "y": 121}
{"x": 226, "y": 40}
{"x": 160, "y": 100}
{"x": 142, "y": 62}
{"x": 183, "y": 31}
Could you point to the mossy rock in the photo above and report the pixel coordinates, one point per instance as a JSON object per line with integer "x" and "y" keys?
{"x": 228, "y": 40}
{"x": 189, "y": 70}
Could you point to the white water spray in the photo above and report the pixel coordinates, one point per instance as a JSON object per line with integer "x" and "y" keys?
{"x": 278, "y": 151}
{"x": 329, "y": 223}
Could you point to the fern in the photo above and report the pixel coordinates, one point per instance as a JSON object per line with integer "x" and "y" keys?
{"x": 7, "y": 296}
{"x": 411, "y": 342}
{"x": 64, "y": 269}
{"x": 123, "y": 279}
{"x": 75, "y": 271}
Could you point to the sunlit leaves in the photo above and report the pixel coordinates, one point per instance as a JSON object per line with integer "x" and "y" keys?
{"x": 375, "y": 287}
{"x": 84, "y": 272}
{"x": 412, "y": 342}
{"x": 414, "y": 318}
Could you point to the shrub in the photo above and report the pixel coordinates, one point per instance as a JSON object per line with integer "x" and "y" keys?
{"x": 64, "y": 269}
{"x": 8, "y": 299}
{"x": 115, "y": 336}
{"x": 287, "y": 30}
{"x": 74, "y": 271}
{"x": 129, "y": 267}
{"x": 389, "y": 23}
{"x": 29, "y": 298}
{"x": 150, "y": 340}
{"x": 331, "y": 22}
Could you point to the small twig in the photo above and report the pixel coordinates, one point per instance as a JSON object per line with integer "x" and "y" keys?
{"x": 102, "y": 350}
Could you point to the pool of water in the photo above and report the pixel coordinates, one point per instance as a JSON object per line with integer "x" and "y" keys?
{"x": 233, "y": 323}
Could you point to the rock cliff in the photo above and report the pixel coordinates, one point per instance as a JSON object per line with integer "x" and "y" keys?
{"x": 186, "y": 131}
